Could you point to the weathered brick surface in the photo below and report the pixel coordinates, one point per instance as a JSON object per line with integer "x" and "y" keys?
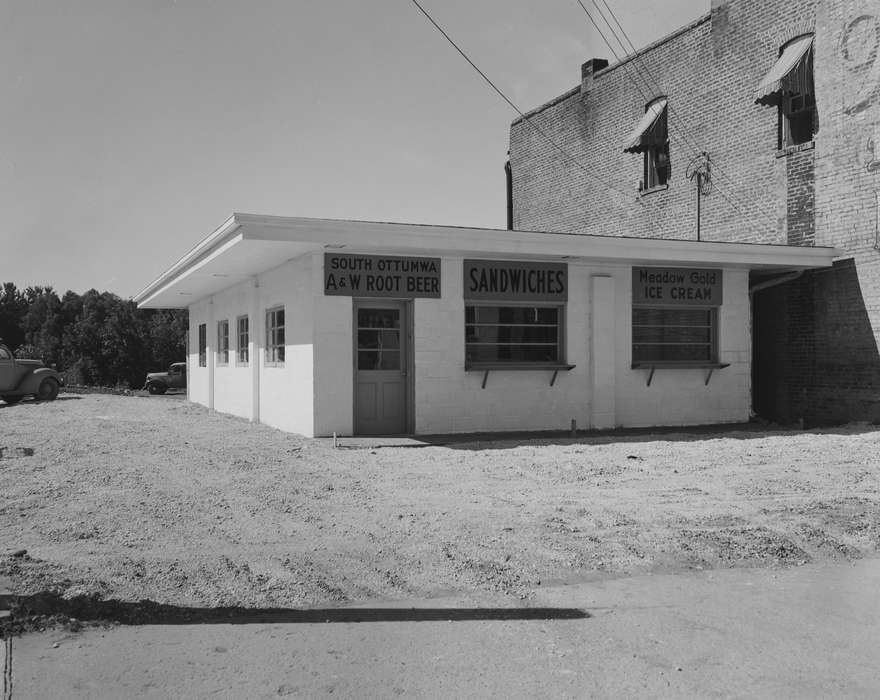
{"x": 825, "y": 327}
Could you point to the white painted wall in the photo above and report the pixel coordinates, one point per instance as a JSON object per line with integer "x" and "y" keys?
{"x": 232, "y": 382}
{"x": 287, "y": 393}
{"x": 312, "y": 393}
{"x": 334, "y": 361}
{"x": 450, "y": 400}
{"x": 681, "y": 396}
{"x": 197, "y": 377}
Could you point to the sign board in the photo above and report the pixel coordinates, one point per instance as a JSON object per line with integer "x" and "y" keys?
{"x": 515, "y": 281}
{"x": 676, "y": 286}
{"x": 381, "y": 276}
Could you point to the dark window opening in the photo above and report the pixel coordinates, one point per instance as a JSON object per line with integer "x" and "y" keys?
{"x": 670, "y": 335}
{"x": 515, "y": 334}
{"x": 203, "y": 345}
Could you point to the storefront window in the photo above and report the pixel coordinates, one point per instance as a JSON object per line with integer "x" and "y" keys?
{"x": 670, "y": 335}
{"x": 513, "y": 334}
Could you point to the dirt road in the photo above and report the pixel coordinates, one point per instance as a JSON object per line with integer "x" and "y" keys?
{"x": 806, "y": 632}
{"x": 133, "y": 498}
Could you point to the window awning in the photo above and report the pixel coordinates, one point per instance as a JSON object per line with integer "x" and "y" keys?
{"x": 640, "y": 138}
{"x": 792, "y": 73}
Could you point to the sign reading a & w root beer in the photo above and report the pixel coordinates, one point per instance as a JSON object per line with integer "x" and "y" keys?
{"x": 381, "y": 276}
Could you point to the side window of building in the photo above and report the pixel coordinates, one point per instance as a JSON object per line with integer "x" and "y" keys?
{"x": 275, "y": 336}
{"x": 513, "y": 334}
{"x": 203, "y": 345}
{"x": 667, "y": 335}
{"x": 223, "y": 342}
{"x": 243, "y": 335}
{"x": 789, "y": 86}
{"x": 651, "y": 138}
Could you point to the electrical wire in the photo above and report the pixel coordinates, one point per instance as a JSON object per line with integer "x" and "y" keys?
{"x": 692, "y": 142}
{"x": 638, "y": 86}
{"x": 528, "y": 121}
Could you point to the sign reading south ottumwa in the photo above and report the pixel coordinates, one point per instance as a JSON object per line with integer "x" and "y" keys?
{"x": 381, "y": 276}
{"x": 676, "y": 286}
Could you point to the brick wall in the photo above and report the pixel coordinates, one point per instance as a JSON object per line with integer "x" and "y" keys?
{"x": 821, "y": 333}
{"x": 800, "y": 198}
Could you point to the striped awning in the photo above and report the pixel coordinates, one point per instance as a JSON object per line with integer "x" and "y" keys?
{"x": 640, "y": 138}
{"x": 792, "y": 73}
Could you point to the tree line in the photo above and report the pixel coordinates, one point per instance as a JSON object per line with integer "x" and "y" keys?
{"x": 95, "y": 338}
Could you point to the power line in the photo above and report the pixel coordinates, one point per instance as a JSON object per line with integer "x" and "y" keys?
{"x": 693, "y": 143}
{"x": 528, "y": 121}
{"x": 638, "y": 86}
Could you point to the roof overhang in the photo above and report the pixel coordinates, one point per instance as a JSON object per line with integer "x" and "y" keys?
{"x": 247, "y": 245}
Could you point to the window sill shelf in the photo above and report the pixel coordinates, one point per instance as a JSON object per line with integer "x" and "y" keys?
{"x": 486, "y": 367}
{"x": 652, "y": 190}
{"x": 797, "y": 148}
{"x": 653, "y": 366}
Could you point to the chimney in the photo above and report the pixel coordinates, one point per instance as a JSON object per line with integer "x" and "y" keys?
{"x": 588, "y": 70}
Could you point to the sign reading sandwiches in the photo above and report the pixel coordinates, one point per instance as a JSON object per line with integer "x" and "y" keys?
{"x": 515, "y": 281}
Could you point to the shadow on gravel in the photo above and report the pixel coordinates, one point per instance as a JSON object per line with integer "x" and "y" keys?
{"x": 508, "y": 440}
{"x": 31, "y": 402}
{"x": 38, "y": 610}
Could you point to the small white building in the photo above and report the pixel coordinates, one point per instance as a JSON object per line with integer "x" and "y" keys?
{"x": 317, "y": 326}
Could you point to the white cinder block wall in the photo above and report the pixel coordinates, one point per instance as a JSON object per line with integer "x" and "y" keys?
{"x": 286, "y": 395}
{"x": 313, "y": 393}
{"x": 232, "y": 382}
{"x": 681, "y": 396}
{"x": 450, "y": 400}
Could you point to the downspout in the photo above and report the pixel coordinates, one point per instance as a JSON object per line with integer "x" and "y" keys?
{"x": 508, "y": 176}
{"x": 255, "y": 349}
{"x": 209, "y": 352}
{"x": 766, "y": 284}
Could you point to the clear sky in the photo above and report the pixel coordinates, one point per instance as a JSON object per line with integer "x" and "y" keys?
{"x": 133, "y": 128}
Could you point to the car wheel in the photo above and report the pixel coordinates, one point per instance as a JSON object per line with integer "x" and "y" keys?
{"x": 155, "y": 388}
{"x": 48, "y": 389}
{"x": 11, "y": 399}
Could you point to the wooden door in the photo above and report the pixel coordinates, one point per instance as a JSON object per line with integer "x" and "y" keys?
{"x": 381, "y": 361}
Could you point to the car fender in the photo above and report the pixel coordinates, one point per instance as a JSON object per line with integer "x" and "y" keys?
{"x": 31, "y": 381}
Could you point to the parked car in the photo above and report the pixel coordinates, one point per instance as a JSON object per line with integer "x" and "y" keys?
{"x": 20, "y": 378}
{"x": 174, "y": 378}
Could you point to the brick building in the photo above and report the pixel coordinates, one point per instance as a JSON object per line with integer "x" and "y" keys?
{"x": 781, "y": 99}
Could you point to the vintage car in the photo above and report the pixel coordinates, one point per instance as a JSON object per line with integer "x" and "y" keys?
{"x": 174, "y": 378}
{"x": 20, "y": 378}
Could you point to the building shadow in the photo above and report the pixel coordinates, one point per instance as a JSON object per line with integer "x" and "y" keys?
{"x": 508, "y": 440}
{"x": 146, "y": 612}
{"x": 31, "y": 402}
{"x": 815, "y": 355}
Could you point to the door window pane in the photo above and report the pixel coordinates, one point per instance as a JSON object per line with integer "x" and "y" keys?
{"x": 378, "y": 339}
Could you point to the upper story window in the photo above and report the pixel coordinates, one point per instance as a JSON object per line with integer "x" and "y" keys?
{"x": 789, "y": 86}
{"x": 651, "y": 138}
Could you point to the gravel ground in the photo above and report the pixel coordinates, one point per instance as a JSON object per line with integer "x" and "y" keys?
{"x": 138, "y": 498}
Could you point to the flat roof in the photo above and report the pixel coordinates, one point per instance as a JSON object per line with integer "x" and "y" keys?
{"x": 246, "y": 245}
